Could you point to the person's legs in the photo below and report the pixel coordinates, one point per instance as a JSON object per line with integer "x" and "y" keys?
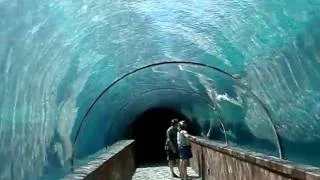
{"x": 171, "y": 158}
{"x": 184, "y": 169}
{"x": 181, "y": 163}
{"x": 171, "y": 165}
{"x": 177, "y": 162}
{"x": 181, "y": 169}
{"x": 187, "y": 159}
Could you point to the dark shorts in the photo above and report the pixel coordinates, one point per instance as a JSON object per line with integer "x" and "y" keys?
{"x": 171, "y": 156}
{"x": 185, "y": 152}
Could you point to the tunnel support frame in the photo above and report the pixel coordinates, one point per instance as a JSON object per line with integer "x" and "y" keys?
{"x": 214, "y": 68}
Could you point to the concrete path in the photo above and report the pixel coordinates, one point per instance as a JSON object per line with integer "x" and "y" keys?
{"x": 159, "y": 172}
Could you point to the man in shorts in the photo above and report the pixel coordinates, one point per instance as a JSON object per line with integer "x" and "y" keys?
{"x": 171, "y": 145}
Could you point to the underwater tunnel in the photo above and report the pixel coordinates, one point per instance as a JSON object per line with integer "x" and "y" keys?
{"x": 76, "y": 76}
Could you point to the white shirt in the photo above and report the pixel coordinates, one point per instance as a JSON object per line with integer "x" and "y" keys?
{"x": 182, "y": 138}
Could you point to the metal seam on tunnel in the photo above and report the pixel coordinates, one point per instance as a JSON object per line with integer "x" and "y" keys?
{"x": 270, "y": 115}
{"x": 202, "y": 96}
{"x": 279, "y": 144}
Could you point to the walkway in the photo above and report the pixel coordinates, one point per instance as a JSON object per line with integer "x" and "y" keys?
{"x": 159, "y": 172}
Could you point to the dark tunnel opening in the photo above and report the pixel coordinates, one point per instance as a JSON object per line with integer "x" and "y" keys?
{"x": 149, "y": 132}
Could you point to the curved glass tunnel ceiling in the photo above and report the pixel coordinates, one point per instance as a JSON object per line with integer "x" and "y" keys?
{"x": 56, "y": 57}
{"x": 195, "y": 90}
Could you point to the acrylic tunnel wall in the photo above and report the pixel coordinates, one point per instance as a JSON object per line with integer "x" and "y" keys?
{"x": 253, "y": 83}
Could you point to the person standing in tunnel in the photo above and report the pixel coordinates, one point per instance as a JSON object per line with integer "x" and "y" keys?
{"x": 184, "y": 148}
{"x": 171, "y": 145}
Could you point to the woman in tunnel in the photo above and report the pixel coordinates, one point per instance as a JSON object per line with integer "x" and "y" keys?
{"x": 184, "y": 148}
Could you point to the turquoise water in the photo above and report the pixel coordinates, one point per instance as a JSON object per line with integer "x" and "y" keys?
{"x": 57, "y": 56}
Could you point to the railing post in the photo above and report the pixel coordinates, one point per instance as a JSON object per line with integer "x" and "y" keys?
{"x": 203, "y": 165}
